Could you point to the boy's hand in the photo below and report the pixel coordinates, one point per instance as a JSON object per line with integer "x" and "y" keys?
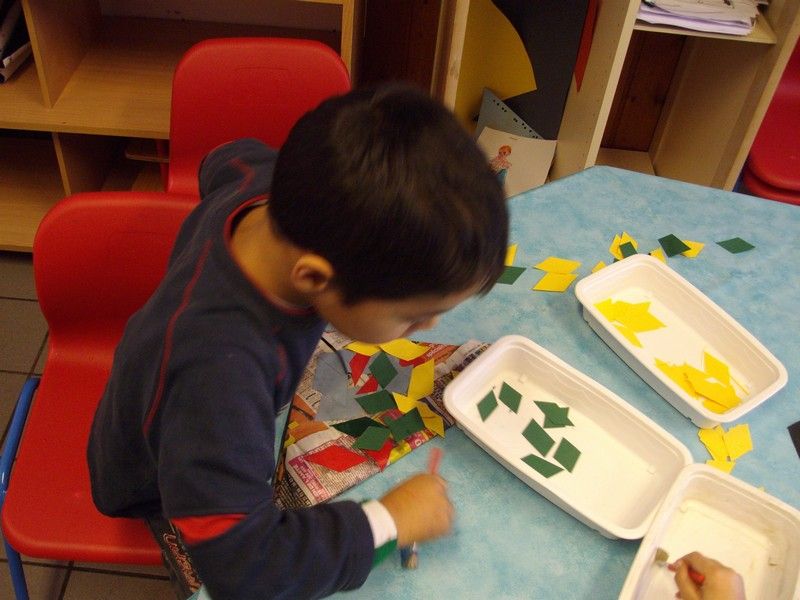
{"x": 721, "y": 582}
{"x": 420, "y": 508}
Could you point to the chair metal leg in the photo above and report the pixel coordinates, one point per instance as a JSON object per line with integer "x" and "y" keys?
{"x": 17, "y": 574}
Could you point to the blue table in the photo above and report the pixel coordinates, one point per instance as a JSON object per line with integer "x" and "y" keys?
{"x": 508, "y": 541}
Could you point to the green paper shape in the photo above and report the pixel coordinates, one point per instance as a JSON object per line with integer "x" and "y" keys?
{"x": 382, "y": 369}
{"x": 566, "y": 454}
{"x": 544, "y": 467}
{"x": 373, "y": 438}
{"x": 487, "y": 405}
{"x": 627, "y": 249}
{"x": 510, "y": 274}
{"x": 554, "y": 415}
{"x": 510, "y": 397}
{"x": 409, "y": 424}
{"x": 377, "y": 401}
{"x": 672, "y": 245}
{"x": 355, "y": 427}
{"x": 538, "y": 437}
{"x": 736, "y": 245}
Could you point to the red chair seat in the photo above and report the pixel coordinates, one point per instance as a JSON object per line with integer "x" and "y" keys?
{"x": 775, "y": 155}
{"x": 757, "y": 187}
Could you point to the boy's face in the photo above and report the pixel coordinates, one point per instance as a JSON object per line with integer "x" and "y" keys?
{"x": 377, "y": 321}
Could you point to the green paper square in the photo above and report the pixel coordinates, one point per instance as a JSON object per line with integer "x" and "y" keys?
{"x": 672, "y": 245}
{"x": 510, "y": 274}
{"x": 736, "y": 245}
{"x": 355, "y": 427}
{"x": 510, "y": 397}
{"x": 487, "y": 405}
{"x": 408, "y": 424}
{"x": 383, "y": 370}
{"x": 554, "y": 415}
{"x": 373, "y": 438}
{"x": 538, "y": 437}
{"x": 627, "y": 249}
{"x": 544, "y": 467}
{"x": 376, "y": 402}
{"x": 566, "y": 454}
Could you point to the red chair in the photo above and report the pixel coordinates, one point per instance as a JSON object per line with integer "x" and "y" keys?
{"x": 226, "y": 89}
{"x": 97, "y": 258}
{"x": 773, "y": 165}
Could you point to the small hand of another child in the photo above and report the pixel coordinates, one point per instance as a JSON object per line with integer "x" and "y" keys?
{"x": 420, "y": 508}
{"x": 721, "y": 582}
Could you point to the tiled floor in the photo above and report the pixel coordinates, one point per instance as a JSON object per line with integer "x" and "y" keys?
{"x": 23, "y": 347}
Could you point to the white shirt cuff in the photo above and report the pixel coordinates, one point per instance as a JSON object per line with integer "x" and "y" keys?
{"x": 380, "y": 521}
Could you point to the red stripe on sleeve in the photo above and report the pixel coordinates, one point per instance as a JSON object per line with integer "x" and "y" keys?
{"x": 199, "y": 529}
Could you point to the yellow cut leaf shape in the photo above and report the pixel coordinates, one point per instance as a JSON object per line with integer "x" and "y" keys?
{"x": 694, "y": 248}
{"x": 432, "y": 421}
{"x": 722, "y": 465}
{"x": 404, "y": 403}
{"x": 618, "y": 241}
{"x": 629, "y": 334}
{"x": 676, "y": 374}
{"x": 554, "y": 282}
{"x": 511, "y": 253}
{"x": 637, "y": 316}
{"x": 738, "y": 441}
{"x": 404, "y": 349}
{"x": 399, "y": 451}
{"x": 659, "y": 254}
{"x": 421, "y": 382}
{"x": 598, "y": 266}
{"x": 553, "y": 264}
{"x": 362, "y": 348}
{"x": 714, "y": 441}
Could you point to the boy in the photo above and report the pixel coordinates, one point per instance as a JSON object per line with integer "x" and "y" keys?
{"x": 382, "y": 214}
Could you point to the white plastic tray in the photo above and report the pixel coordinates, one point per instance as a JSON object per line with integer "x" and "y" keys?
{"x": 627, "y": 462}
{"x": 694, "y": 324}
{"x": 724, "y": 518}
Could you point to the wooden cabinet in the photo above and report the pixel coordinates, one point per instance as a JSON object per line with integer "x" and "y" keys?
{"x": 97, "y": 80}
{"x": 719, "y": 92}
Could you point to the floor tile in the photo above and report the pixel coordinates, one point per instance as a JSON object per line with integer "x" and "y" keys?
{"x": 89, "y": 585}
{"x": 44, "y": 582}
{"x": 22, "y": 330}
{"x": 16, "y": 276}
{"x": 37, "y": 370}
{"x": 149, "y": 570}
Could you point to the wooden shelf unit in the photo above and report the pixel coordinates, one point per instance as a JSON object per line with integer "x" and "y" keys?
{"x": 719, "y": 93}
{"x": 95, "y": 80}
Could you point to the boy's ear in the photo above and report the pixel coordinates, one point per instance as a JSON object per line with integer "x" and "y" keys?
{"x": 311, "y": 274}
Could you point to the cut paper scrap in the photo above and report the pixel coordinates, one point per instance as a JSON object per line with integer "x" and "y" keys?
{"x": 357, "y": 365}
{"x": 510, "y": 397}
{"x": 362, "y": 348}
{"x": 406, "y": 425}
{"x": 421, "y": 383}
{"x": 659, "y": 254}
{"x": 554, "y": 415}
{"x": 404, "y": 403}
{"x": 335, "y": 458}
{"x": 399, "y": 451}
{"x": 373, "y": 438}
{"x": 371, "y": 385}
{"x": 511, "y": 253}
{"x": 566, "y": 454}
{"x": 627, "y": 249}
{"x": 355, "y": 427}
{"x": 538, "y": 437}
{"x": 713, "y": 385}
{"x": 554, "y": 282}
{"x": 381, "y": 456}
{"x": 400, "y": 383}
{"x": 598, "y": 266}
{"x": 487, "y": 405}
{"x": 553, "y": 264}
{"x": 736, "y": 245}
{"x": 432, "y": 421}
{"x": 629, "y": 318}
{"x": 714, "y": 441}
{"x": 726, "y": 447}
{"x": 738, "y": 441}
{"x": 382, "y": 369}
{"x": 404, "y": 349}
{"x": 722, "y": 465}
{"x": 673, "y": 245}
{"x": 619, "y": 240}
{"x": 510, "y": 275}
{"x": 377, "y": 401}
{"x": 694, "y": 248}
{"x": 542, "y": 466}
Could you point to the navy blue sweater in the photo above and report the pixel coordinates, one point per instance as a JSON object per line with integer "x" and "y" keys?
{"x": 186, "y": 426}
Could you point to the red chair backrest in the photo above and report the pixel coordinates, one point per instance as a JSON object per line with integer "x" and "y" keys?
{"x": 224, "y": 89}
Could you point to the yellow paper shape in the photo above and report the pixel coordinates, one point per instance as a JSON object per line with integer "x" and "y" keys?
{"x": 637, "y": 316}
{"x": 432, "y": 421}
{"x": 607, "y": 308}
{"x": 722, "y": 465}
{"x": 289, "y": 441}
{"x": 399, "y": 451}
{"x": 554, "y": 282}
{"x": 629, "y": 334}
{"x": 421, "y": 382}
{"x": 716, "y": 392}
{"x": 618, "y": 241}
{"x": 598, "y": 266}
{"x": 714, "y": 441}
{"x": 404, "y": 349}
{"x": 553, "y": 264}
{"x": 511, "y": 253}
{"x": 676, "y": 374}
{"x": 659, "y": 254}
{"x": 362, "y": 348}
{"x": 714, "y": 406}
{"x": 694, "y": 248}
{"x": 738, "y": 441}
{"x": 716, "y": 368}
{"x": 404, "y": 403}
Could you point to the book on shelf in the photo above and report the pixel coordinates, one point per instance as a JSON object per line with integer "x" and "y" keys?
{"x": 15, "y": 43}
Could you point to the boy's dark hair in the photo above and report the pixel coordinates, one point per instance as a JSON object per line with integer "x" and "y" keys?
{"x": 387, "y": 186}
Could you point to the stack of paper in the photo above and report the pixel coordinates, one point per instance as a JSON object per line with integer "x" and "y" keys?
{"x": 15, "y": 45}
{"x": 735, "y": 17}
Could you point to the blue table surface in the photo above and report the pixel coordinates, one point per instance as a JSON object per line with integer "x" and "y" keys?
{"x": 510, "y": 542}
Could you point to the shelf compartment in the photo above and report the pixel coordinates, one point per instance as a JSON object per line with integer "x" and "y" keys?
{"x": 762, "y": 32}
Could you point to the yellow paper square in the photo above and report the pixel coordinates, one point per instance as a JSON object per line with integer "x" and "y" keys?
{"x": 714, "y": 441}
{"x": 738, "y": 441}
{"x": 362, "y": 348}
{"x": 404, "y": 349}
{"x": 432, "y": 421}
{"x": 511, "y": 253}
{"x": 659, "y": 254}
{"x": 421, "y": 382}
{"x": 694, "y": 248}
{"x": 618, "y": 241}
{"x": 598, "y": 266}
{"x": 553, "y": 264}
{"x": 722, "y": 465}
{"x": 404, "y": 403}
{"x": 399, "y": 451}
{"x": 716, "y": 368}
{"x": 554, "y": 282}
